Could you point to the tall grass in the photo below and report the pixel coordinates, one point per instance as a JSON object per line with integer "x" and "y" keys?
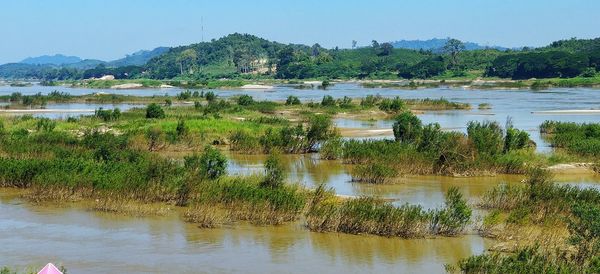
{"x": 579, "y": 139}
{"x": 369, "y": 215}
{"x": 539, "y": 203}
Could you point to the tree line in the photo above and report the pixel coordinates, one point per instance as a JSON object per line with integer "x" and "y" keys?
{"x": 248, "y": 56}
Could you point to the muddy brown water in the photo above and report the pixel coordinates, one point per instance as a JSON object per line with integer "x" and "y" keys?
{"x": 92, "y": 242}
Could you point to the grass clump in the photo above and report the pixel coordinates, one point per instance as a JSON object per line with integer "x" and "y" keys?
{"x": 579, "y": 139}
{"x": 369, "y": 215}
{"x": 248, "y": 199}
{"x": 537, "y": 204}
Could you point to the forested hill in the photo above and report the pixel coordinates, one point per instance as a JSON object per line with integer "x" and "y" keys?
{"x": 228, "y": 55}
{"x": 247, "y": 56}
{"x": 57, "y": 59}
{"x": 238, "y": 54}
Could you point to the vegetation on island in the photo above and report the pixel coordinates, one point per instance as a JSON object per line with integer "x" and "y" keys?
{"x": 551, "y": 228}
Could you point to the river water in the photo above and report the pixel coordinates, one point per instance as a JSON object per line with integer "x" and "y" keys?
{"x": 92, "y": 242}
{"x": 522, "y": 106}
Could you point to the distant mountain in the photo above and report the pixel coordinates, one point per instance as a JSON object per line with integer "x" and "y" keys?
{"x": 85, "y": 64}
{"x": 46, "y": 66}
{"x": 138, "y": 58}
{"x": 436, "y": 44}
{"x": 57, "y": 60}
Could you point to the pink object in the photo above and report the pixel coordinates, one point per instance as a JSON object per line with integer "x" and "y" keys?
{"x": 50, "y": 269}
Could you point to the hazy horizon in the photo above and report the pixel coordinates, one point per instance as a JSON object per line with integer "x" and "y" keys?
{"x": 108, "y": 30}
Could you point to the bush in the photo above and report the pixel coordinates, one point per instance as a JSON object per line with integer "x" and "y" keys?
{"x": 245, "y": 100}
{"x": 45, "y": 124}
{"x": 292, "y": 100}
{"x": 486, "y": 136}
{"x": 345, "y": 102}
{"x": 243, "y": 141}
{"x": 332, "y": 149}
{"x": 320, "y": 128}
{"x": 453, "y": 219}
{"x": 408, "y": 128}
{"x": 155, "y": 137}
{"x": 392, "y": 105}
{"x": 589, "y": 72}
{"x": 213, "y": 163}
{"x": 275, "y": 172}
{"x": 185, "y": 95}
{"x": 373, "y": 172}
{"x": 181, "y": 129}
{"x": 328, "y": 101}
{"x": 210, "y": 96}
{"x": 516, "y": 139}
{"x": 108, "y": 115}
{"x": 154, "y": 111}
{"x": 370, "y": 101}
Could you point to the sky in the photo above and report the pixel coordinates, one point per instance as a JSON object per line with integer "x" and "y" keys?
{"x": 109, "y": 29}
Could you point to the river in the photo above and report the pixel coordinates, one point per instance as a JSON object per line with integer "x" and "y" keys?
{"x": 92, "y": 242}
{"x": 526, "y": 108}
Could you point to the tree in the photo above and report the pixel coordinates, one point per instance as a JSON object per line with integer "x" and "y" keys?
{"x": 354, "y": 42}
{"x": 316, "y": 50}
{"x": 375, "y": 44}
{"x": 386, "y": 49}
{"x": 453, "y": 48}
{"x": 189, "y": 57}
{"x": 285, "y": 59}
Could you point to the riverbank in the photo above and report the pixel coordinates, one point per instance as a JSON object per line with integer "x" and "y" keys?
{"x": 269, "y": 83}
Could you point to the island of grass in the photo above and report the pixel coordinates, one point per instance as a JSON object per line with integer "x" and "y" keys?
{"x": 122, "y": 162}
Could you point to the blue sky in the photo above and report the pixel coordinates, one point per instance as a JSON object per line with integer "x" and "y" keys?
{"x": 109, "y": 29}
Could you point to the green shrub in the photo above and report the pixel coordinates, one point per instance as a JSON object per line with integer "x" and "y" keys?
{"x": 45, "y": 124}
{"x": 210, "y": 96}
{"x": 345, "y": 102}
{"x": 245, "y": 100}
{"x": 108, "y": 115}
{"x": 181, "y": 129}
{"x": 392, "y": 105}
{"x": 408, "y": 128}
{"x": 292, "y": 100}
{"x": 370, "y": 101}
{"x": 154, "y": 111}
{"x": 332, "y": 149}
{"x": 453, "y": 219}
{"x": 243, "y": 141}
{"x": 486, "y": 137}
{"x": 328, "y": 101}
{"x": 275, "y": 172}
{"x": 588, "y": 72}
{"x": 373, "y": 172}
{"x": 213, "y": 163}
